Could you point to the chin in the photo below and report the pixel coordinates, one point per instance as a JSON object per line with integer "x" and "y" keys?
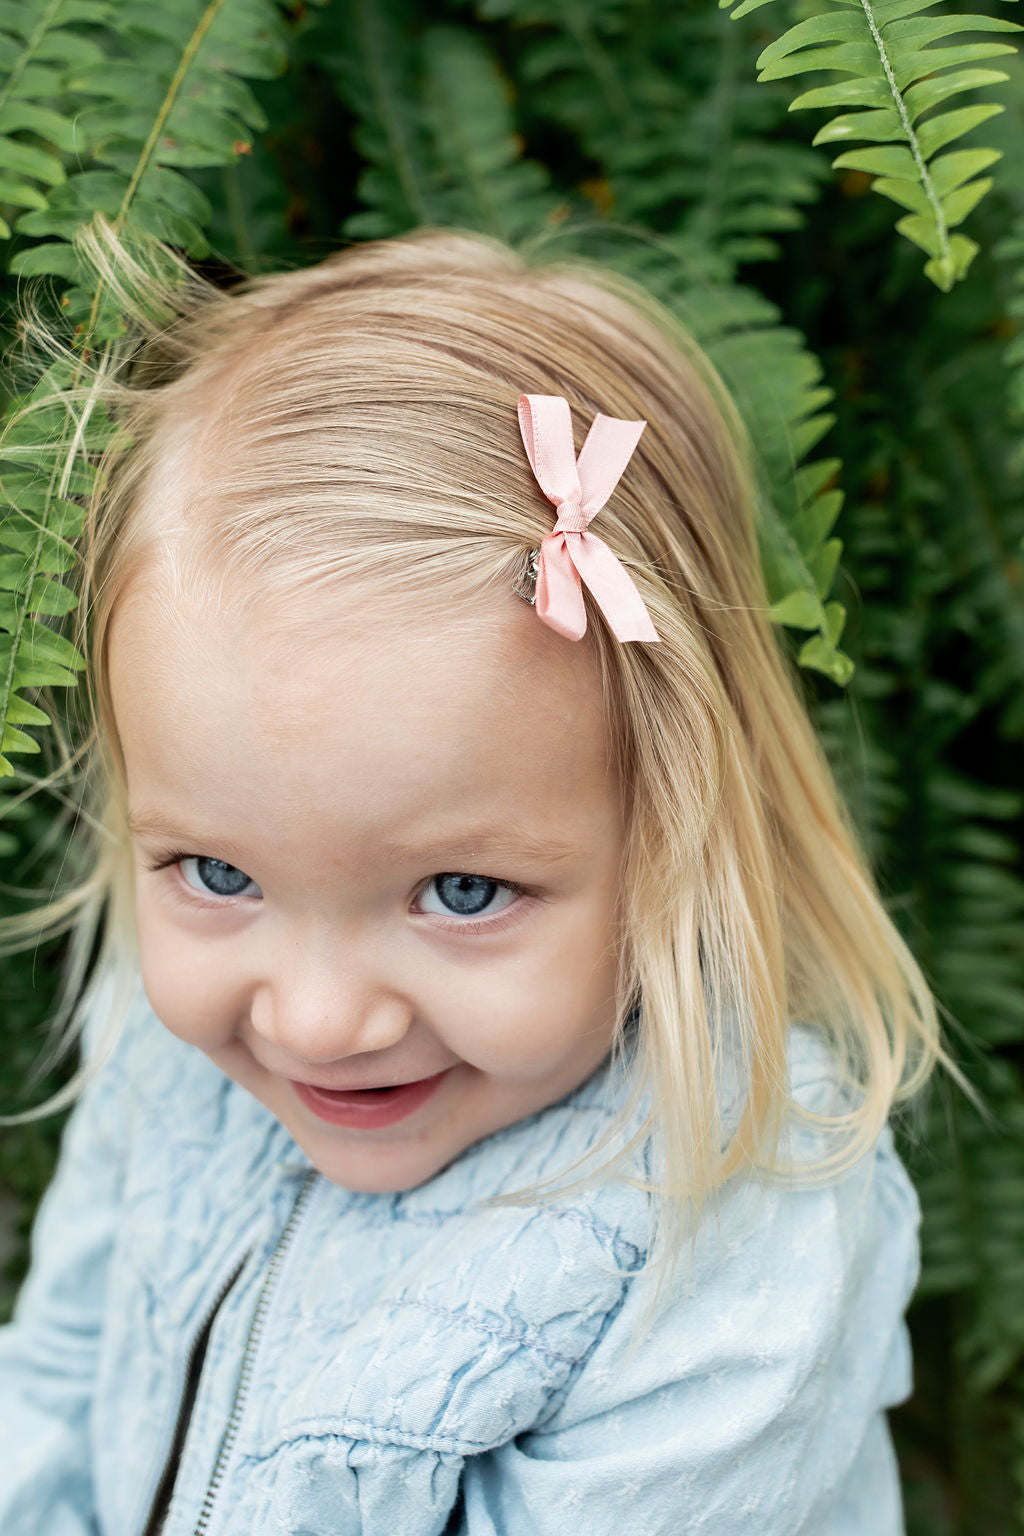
{"x": 370, "y": 1174}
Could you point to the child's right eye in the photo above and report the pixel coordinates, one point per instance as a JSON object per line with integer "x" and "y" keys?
{"x": 215, "y": 877}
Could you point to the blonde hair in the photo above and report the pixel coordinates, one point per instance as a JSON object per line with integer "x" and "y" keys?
{"x": 363, "y": 413}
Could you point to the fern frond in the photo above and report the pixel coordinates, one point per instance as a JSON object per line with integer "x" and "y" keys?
{"x": 1011, "y": 250}
{"x": 897, "y": 79}
{"x": 37, "y": 537}
{"x": 971, "y": 1184}
{"x": 982, "y": 524}
{"x": 434, "y": 124}
{"x": 663, "y": 102}
{"x": 777, "y": 385}
{"x": 39, "y": 45}
{"x": 162, "y": 100}
{"x": 929, "y": 535}
{"x": 169, "y": 97}
{"x": 369, "y": 52}
{"x": 948, "y": 848}
{"x": 485, "y": 181}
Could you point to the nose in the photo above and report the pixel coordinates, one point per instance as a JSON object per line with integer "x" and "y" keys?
{"x": 320, "y": 1008}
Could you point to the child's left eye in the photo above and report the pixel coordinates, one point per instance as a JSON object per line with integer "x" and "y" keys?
{"x": 466, "y": 896}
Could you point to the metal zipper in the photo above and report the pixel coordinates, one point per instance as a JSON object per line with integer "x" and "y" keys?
{"x": 249, "y": 1352}
{"x": 165, "y": 1484}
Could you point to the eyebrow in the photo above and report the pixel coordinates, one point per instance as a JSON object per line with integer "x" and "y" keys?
{"x": 485, "y": 842}
{"x": 152, "y": 824}
{"x": 507, "y": 842}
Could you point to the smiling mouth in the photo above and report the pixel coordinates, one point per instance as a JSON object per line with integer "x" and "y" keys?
{"x": 368, "y": 1108}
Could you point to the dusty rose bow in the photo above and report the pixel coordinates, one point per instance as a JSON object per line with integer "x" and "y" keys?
{"x": 579, "y": 489}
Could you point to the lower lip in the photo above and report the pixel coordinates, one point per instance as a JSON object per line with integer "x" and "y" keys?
{"x": 369, "y": 1108}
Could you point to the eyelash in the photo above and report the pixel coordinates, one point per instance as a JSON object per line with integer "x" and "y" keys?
{"x": 466, "y": 929}
{"x": 165, "y": 860}
{"x": 185, "y": 892}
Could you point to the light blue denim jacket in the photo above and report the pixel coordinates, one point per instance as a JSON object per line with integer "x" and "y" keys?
{"x": 419, "y": 1364}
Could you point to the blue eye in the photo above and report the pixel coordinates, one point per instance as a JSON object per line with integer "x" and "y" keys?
{"x": 466, "y": 896}
{"x": 214, "y": 877}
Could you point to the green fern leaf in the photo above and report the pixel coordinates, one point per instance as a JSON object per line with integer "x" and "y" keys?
{"x": 486, "y": 182}
{"x": 777, "y": 386}
{"x": 169, "y": 97}
{"x": 434, "y": 124}
{"x": 39, "y": 44}
{"x": 370, "y": 53}
{"x": 972, "y": 1194}
{"x": 1011, "y": 251}
{"x": 159, "y": 92}
{"x": 886, "y": 46}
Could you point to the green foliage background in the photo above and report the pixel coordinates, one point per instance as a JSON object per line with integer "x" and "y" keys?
{"x": 883, "y": 366}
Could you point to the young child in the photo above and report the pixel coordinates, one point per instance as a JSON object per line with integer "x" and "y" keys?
{"x": 496, "y": 1142}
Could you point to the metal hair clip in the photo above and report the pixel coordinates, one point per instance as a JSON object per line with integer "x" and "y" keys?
{"x": 526, "y": 586}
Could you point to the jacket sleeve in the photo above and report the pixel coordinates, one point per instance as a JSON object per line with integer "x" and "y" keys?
{"x": 49, "y": 1352}
{"x": 754, "y": 1402}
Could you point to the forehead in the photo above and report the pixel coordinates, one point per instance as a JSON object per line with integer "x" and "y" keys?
{"x": 401, "y": 720}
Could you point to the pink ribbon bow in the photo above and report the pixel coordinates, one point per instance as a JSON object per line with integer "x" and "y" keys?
{"x": 579, "y": 489}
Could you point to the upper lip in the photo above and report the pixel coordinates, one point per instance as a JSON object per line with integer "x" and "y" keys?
{"x": 359, "y": 1087}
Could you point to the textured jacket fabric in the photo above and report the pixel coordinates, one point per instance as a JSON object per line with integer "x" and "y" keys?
{"x": 422, "y": 1363}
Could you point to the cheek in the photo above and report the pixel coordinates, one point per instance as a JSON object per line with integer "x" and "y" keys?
{"x": 527, "y": 1017}
{"x": 192, "y": 990}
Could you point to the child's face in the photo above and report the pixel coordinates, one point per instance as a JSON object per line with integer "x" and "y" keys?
{"x": 383, "y": 849}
